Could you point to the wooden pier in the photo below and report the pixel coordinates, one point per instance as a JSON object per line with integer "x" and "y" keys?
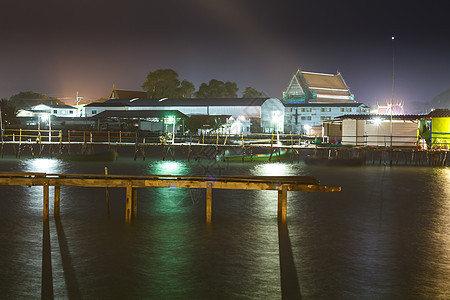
{"x": 282, "y": 184}
{"x": 214, "y": 146}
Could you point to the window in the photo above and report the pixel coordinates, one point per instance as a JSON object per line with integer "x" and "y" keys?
{"x": 55, "y": 111}
{"x": 308, "y": 118}
{"x": 326, "y": 109}
{"x": 303, "y": 118}
{"x": 94, "y": 111}
{"x": 71, "y": 112}
{"x": 303, "y": 109}
{"x": 342, "y": 109}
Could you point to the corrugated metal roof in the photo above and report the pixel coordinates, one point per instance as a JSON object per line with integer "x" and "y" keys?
{"x": 182, "y": 102}
{"x": 348, "y": 104}
{"x": 383, "y": 117}
{"x": 138, "y": 114}
{"x": 439, "y": 113}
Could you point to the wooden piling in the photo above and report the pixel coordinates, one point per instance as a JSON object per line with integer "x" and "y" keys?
{"x": 57, "y": 200}
{"x": 208, "y": 201}
{"x": 134, "y": 202}
{"x": 128, "y": 204}
{"x": 282, "y": 204}
{"x": 46, "y": 200}
{"x": 107, "y": 194}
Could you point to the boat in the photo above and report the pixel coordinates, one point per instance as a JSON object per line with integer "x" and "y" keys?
{"x": 257, "y": 157}
{"x": 330, "y": 161}
{"x": 100, "y": 156}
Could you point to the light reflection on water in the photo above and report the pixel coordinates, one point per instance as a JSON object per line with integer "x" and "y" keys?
{"x": 387, "y": 235}
{"x": 43, "y": 165}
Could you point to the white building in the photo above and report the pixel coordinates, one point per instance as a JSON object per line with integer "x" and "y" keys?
{"x": 298, "y": 117}
{"x": 311, "y": 98}
{"x": 373, "y": 130}
{"x": 266, "y": 113}
{"x": 57, "y": 110}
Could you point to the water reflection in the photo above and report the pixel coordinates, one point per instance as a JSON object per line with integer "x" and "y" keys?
{"x": 272, "y": 169}
{"x": 43, "y": 165}
{"x": 168, "y": 168}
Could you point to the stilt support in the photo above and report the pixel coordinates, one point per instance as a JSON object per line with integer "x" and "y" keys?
{"x": 208, "y": 201}
{"x": 128, "y": 206}
{"x": 134, "y": 202}
{"x": 46, "y": 200}
{"x": 282, "y": 204}
{"x": 57, "y": 200}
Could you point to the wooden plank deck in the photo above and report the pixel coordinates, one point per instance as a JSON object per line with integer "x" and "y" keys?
{"x": 282, "y": 184}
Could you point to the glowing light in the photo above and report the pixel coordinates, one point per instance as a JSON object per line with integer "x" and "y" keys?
{"x": 377, "y": 121}
{"x": 171, "y": 120}
{"x": 271, "y": 169}
{"x": 170, "y": 168}
{"x": 44, "y": 117}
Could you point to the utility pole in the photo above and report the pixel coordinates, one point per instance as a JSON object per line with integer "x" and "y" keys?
{"x": 393, "y": 73}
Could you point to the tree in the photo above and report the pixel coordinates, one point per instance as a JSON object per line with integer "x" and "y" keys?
{"x": 193, "y": 124}
{"x": 164, "y": 83}
{"x": 28, "y": 99}
{"x": 187, "y": 89}
{"x": 250, "y": 92}
{"x": 8, "y": 112}
{"x": 217, "y": 89}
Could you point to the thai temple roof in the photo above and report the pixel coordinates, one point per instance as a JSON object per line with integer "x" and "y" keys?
{"x": 318, "y": 88}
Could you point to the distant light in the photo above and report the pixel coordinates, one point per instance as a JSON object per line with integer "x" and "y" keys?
{"x": 162, "y": 99}
{"x": 392, "y": 37}
{"x": 134, "y": 99}
{"x": 377, "y": 121}
{"x": 171, "y": 120}
{"x": 44, "y": 117}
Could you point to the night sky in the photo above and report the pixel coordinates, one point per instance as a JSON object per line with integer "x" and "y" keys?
{"x": 61, "y": 47}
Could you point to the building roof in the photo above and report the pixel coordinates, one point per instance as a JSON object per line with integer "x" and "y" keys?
{"x": 325, "y": 83}
{"x": 319, "y": 87}
{"x": 65, "y": 106}
{"x": 439, "y": 113}
{"x": 138, "y": 114}
{"x": 126, "y": 94}
{"x": 338, "y": 104}
{"x": 383, "y": 117}
{"x": 181, "y": 102}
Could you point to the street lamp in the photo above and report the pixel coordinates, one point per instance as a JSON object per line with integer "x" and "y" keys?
{"x": 172, "y": 120}
{"x": 276, "y": 118}
{"x": 45, "y": 118}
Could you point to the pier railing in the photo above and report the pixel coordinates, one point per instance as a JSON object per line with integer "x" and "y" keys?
{"x": 142, "y": 137}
